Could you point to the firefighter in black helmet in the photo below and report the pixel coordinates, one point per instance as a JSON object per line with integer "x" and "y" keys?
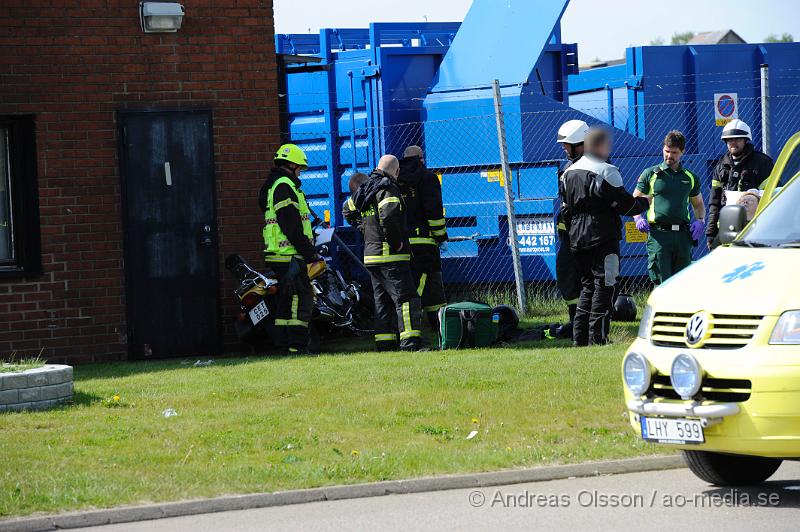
{"x": 422, "y": 196}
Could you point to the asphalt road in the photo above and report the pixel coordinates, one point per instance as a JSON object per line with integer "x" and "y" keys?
{"x": 663, "y": 500}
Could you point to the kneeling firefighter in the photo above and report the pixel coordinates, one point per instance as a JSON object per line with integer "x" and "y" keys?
{"x": 289, "y": 247}
{"x": 427, "y": 233}
{"x": 387, "y": 256}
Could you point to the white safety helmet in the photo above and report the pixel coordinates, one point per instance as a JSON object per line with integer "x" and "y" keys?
{"x": 736, "y": 129}
{"x": 572, "y": 132}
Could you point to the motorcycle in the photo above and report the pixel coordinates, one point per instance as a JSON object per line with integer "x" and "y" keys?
{"x": 254, "y": 296}
{"x": 339, "y": 306}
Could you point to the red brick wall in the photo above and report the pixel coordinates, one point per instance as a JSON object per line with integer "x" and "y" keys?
{"x": 73, "y": 63}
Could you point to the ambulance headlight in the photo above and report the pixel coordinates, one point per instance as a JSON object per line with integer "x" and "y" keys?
{"x": 637, "y": 373}
{"x": 686, "y": 376}
{"x": 787, "y": 330}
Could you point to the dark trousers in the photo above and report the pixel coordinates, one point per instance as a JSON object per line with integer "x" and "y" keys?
{"x": 598, "y": 269}
{"x": 398, "y": 310}
{"x": 426, "y": 265}
{"x": 567, "y": 279}
{"x": 294, "y": 305}
{"x": 430, "y": 287}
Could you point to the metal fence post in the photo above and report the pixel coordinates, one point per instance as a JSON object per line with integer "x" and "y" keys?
{"x": 610, "y": 104}
{"x": 512, "y": 220}
{"x": 765, "y": 122}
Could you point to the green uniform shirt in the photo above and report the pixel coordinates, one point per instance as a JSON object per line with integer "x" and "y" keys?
{"x": 671, "y": 191}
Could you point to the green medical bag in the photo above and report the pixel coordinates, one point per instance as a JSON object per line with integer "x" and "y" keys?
{"x": 467, "y": 324}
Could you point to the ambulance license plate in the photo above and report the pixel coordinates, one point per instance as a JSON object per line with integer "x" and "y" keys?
{"x": 662, "y": 430}
{"x": 259, "y": 312}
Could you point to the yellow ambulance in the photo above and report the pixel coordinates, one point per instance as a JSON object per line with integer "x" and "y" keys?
{"x": 715, "y": 369}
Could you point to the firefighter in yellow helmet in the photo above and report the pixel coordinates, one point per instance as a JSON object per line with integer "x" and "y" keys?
{"x": 289, "y": 247}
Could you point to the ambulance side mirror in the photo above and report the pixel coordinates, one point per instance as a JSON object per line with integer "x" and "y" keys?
{"x": 732, "y": 219}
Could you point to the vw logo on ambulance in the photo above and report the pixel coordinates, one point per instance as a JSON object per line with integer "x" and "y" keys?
{"x": 698, "y": 329}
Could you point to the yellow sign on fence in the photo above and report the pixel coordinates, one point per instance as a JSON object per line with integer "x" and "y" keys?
{"x": 633, "y": 235}
{"x": 494, "y": 176}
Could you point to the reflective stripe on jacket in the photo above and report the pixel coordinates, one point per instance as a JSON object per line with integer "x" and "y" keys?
{"x": 277, "y": 247}
{"x": 383, "y": 221}
{"x": 422, "y": 197}
{"x": 749, "y": 171}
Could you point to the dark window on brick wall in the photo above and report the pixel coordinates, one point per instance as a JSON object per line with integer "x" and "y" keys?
{"x": 20, "y": 253}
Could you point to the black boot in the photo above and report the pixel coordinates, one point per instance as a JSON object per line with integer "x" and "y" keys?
{"x": 433, "y": 320}
{"x": 386, "y": 346}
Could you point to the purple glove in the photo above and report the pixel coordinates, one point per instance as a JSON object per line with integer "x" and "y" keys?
{"x": 641, "y": 224}
{"x": 698, "y": 229}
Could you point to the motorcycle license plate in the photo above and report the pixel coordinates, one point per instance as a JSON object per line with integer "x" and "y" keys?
{"x": 681, "y": 431}
{"x": 259, "y": 312}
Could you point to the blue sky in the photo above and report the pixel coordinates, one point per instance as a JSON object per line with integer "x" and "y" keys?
{"x": 602, "y": 28}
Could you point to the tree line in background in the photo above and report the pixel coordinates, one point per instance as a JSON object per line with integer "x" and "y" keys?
{"x": 685, "y": 36}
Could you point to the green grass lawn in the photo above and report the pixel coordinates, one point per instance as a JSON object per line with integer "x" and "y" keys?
{"x": 20, "y": 365}
{"x": 262, "y": 424}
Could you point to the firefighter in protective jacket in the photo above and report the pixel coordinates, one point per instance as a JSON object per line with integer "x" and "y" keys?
{"x": 288, "y": 247}
{"x": 742, "y": 168}
{"x": 594, "y": 199}
{"x": 422, "y": 196}
{"x": 387, "y": 255}
{"x": 571, "y": 135}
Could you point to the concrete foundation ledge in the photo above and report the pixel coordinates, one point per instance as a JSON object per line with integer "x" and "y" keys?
{"x": 35, "y": 389}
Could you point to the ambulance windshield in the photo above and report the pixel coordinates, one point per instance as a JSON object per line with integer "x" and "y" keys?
{"x": 779, "y": 224}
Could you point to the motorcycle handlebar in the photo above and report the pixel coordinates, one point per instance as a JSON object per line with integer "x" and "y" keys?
{"x": 339, "y": 241}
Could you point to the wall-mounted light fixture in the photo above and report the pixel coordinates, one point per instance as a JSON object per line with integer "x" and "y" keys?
{"x": 160, "y": 17}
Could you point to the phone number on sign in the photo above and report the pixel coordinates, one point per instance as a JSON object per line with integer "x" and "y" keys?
{"x": 537, "y": 240}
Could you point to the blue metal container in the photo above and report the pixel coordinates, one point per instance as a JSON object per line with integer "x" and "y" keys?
{"x": 341, "y": 110}
{"x": 377, "y": 90}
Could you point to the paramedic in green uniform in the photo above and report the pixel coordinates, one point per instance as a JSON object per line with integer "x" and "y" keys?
{"x": 672, "y": 232}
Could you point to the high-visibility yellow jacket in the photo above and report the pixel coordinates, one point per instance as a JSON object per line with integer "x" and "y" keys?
{"x": 287, "y": 220}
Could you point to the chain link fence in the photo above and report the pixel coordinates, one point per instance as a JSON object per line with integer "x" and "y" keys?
{"x": 464, "y": 152}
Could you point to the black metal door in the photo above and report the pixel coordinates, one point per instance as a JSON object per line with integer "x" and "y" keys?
{"x": 168, "y": 200}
